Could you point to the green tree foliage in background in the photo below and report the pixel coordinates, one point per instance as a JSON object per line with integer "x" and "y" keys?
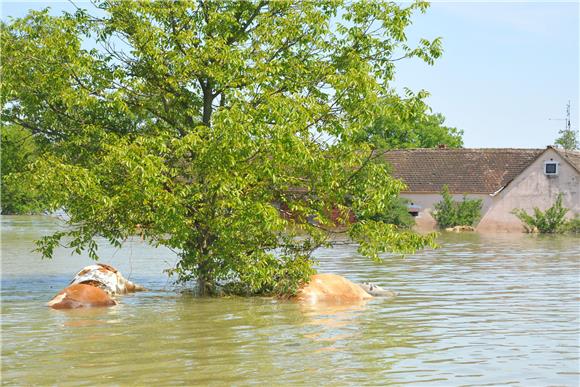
{"x": 550, "y": 221}
{"x": 407, "y": 123}
{"x": 412, "y": 126}
{"x": 191, "y": 121}
{"x": 18, "y": 148}
{"x": 449, "y": 213}
{"x": 568, "y": 140}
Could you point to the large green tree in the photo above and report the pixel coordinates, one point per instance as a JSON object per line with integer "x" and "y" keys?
{"x": 191, "y": 122}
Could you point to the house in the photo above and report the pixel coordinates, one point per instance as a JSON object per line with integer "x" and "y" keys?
{"x": 503, "y": 179}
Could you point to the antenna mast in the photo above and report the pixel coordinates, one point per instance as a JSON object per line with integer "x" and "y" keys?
{"x": 568, "y": 125}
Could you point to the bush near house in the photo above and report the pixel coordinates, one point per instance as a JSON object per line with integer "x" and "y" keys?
{"x": 550, "y": 221}
{"x": 396, "y": 212}
{"x": 449, "y": 213}
{"x": 572, "y": 226}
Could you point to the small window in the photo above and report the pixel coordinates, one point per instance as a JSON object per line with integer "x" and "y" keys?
{"x": 551, "y": 168}
{"x": 413, "y": 209}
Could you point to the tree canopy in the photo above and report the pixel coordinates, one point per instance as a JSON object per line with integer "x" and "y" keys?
{"x": 18, "y": 149}
{"x": 192, "y": 122}
{"x": 412, "y": 127}
{"x": 568, "y": 139}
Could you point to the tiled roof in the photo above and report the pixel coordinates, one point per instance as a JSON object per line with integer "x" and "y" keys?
{"x": 573, "y": 157}
{"x": 463, "y": 170}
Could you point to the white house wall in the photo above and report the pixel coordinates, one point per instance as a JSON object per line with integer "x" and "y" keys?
{"x": 426, "y": 202}
{"x": 532, "y": 188}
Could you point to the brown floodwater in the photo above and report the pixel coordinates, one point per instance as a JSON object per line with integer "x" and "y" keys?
{"x": 482, "y": 310}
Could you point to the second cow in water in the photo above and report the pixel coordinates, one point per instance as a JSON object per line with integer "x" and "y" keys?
{"x": 332, "y": 288}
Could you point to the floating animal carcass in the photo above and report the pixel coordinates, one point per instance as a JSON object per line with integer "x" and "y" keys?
{"x": 93, "y": 286}
{"x": 331, "y": 288}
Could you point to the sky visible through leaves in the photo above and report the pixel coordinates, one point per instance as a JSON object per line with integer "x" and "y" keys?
{"x": 507, "y": 69}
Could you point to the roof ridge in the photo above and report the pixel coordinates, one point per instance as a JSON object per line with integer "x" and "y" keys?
{"x": 571, "y": 156}
{"x": 573, "y": 151}
{"x": 462, "y": 169}
{"x": 465, "y": 149}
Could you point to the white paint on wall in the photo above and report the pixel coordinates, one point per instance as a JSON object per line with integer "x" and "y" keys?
{"x": 532, "y": 188}
{"x": 425, "y": 221}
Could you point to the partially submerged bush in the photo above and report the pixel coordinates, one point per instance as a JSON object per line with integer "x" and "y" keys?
{"x": 550, "y": 221}
{"x": 395, "y": 212}
{"x": 572, "y": 225}
{"x": 449, "y": 213}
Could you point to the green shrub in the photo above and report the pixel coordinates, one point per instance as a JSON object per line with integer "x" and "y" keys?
{"x": 550, "y": 221}
{"x": 573, "y": 225}
{"x": 449, "y": 213}
{"x": 396, "y": 212}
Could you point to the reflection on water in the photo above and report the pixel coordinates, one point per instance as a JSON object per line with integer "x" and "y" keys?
{"x": 482, "y": 310}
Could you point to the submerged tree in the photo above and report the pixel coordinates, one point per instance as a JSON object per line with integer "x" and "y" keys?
{"x": 191, "y": 122}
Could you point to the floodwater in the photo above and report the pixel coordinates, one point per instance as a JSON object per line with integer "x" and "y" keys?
{"x": 482, "y": 310}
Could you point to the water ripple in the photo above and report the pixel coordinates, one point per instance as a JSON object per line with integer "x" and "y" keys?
{"x": 480, "y": 311}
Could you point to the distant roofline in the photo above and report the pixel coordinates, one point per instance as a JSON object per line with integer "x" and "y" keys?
{"x": 463, "y": 149}
{"x": 439, "y": 193}
{"x": 539, "y": 152}
{"x": 428, "y": 172}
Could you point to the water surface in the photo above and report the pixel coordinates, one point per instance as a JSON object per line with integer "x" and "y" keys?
{"x": 481, "y": 310}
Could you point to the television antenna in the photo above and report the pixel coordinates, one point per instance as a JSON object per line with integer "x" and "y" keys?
{"x": 567, "y": 131}
{"x": 567, "y": 125}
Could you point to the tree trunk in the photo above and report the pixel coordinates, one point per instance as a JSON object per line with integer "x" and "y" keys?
{"x": 207, "y": 102}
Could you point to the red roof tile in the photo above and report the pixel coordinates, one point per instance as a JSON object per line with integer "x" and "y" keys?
{"x": 463, "y": 170}
{"x": 573, "y": 157}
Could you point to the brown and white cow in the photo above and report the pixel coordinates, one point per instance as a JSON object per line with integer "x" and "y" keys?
{"x": 93, "y": 286}
{"x": 81, "y": 296}
{"x": 107, "y": 278}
